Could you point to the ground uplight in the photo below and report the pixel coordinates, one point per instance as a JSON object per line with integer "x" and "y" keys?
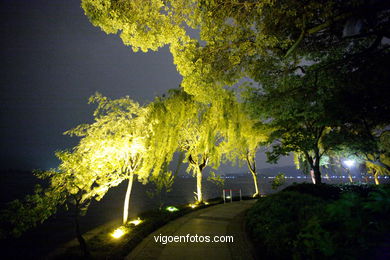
{"x": 171, "y": 209}
{"x": 119, "y": 232}
{"x": 192, "y": 205}
{"x": 136, "y": 221}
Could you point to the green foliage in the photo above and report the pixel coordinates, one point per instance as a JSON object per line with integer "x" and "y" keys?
{"x": 20, "y": 216}
{"x": 297, "y": 225}
{"x": 278, "y": 181}
{"x": 162, "y": 185}
{"x": 275, "y": 222}
{"x": 125, "y": 139}
{"x": 195, "y": 129}
{"x": 68, "y": 186}
{"x": 320, "y": 67}
{"x": 237, "y": 39}
{"x": 323, "y": 191}
{"x": 216, "y": 179}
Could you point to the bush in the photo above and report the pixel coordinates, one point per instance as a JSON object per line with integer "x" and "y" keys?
{"x": 274, "y": 222}
{"x": 362, "y": 189}
{"x": 301, "y": 226}
{"x": 323, "y": 191}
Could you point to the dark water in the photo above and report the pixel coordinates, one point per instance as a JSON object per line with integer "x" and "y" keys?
{"x": 60, "y": 229}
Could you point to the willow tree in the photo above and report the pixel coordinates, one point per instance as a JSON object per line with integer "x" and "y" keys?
{"x": 243, "y": 137}
{"x": 118, "y": 145}
{"x": 195, "y": 129}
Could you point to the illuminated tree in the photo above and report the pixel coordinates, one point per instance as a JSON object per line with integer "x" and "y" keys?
{"x": 243, "y": 137}
{"x": 282, "y": 45}
{"x": 256, "y": 39}
{"x": 372, "y": 151}
{"x": 120, "y": 144}
{"x": 378, "y": 163}
{"x": 75, "y": 181}
{"x": 195, "y": 129}
{"x": 297, "y": 113}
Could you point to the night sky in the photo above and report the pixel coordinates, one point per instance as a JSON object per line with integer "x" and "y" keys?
{"x": 52, "y": 60}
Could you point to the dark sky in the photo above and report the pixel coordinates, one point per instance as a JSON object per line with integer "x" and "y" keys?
{"x": 52, "y": 60}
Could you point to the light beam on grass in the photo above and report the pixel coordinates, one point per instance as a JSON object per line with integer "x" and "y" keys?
{"x": 136, "y": 222}
{"x": 119, "y": 232}
{"x": 192, "y": 205}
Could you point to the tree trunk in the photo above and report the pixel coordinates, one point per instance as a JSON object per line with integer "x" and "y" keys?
{"x": 313, "y": 180}
{"x": 257, "y": 193}
{"x": 315, "y": 166}
{"x": 80, "y": 239}
{"x": 127, "y": 199}
{"x": 252, "y": 169}
{"x": 199, "y": 185}
{"x": 317, "y": 174}
{"x": 376, "y": 178}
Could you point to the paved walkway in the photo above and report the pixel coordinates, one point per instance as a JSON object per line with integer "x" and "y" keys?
{"x": 225, "y": 219}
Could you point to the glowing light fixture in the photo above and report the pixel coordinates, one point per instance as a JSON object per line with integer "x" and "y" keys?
{"x": 228, "y": 197}
{"x": 193, "y": 205}
{"x": 171, "y": 209}
{"x": 349, "y": 163}
{"x": 119, "y": 232}
{"x": 206, "y": 203}
{"x": 136, "y": 222}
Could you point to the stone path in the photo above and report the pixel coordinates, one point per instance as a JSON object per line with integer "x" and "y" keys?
{"x": 221, "y": 220}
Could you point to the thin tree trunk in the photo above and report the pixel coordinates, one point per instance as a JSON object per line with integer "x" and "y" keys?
{"x": 317, "y": 172}
{"x": 199, "y": 168}
{"x": 199, "y": 185}
{"x": 252, "y": 169}
{"x": 127, "y": 199}
{"x": 376, "y": 178}
{"x": 257, "y": 193}
{"x": 80, "y": 239}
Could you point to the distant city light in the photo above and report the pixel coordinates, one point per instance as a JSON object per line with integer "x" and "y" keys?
{"x": 349, "y": 163}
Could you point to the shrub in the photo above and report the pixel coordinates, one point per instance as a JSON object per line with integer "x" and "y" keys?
{"x": 278, "y": 181}
{"x": 323, "y": 191}
{"x": 301, "y": 226}
{"x": 362, "y": 189}
{"x": 275, "y": 222}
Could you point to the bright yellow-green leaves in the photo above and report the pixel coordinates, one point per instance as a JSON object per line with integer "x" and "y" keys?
{"x": 233, "y": 35}
{"x": 117, "y": 144}
{"x": 243, "y": 134}
{"x": 145, "y": 25}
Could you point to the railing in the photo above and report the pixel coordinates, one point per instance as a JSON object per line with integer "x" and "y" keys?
{"x": 230, "y": 196}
